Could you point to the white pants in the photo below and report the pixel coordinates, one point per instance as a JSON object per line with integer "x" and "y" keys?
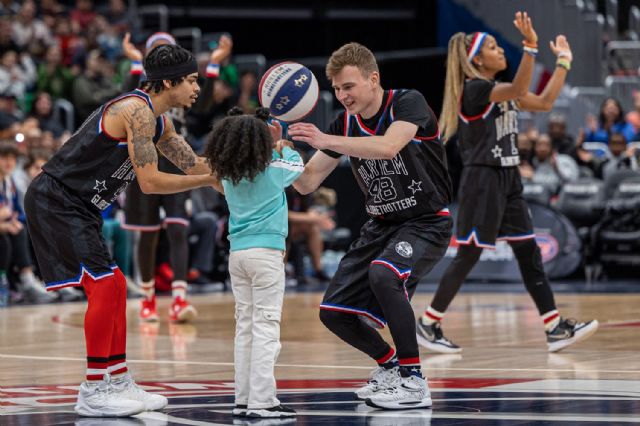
{"x": 257, "y": 281}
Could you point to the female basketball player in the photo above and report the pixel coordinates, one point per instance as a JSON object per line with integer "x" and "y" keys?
{"x": 254, "y": 176}
{"x": 484, "y": 112}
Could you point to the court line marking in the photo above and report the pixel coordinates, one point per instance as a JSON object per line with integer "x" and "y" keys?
{"x": 332, "y": 367}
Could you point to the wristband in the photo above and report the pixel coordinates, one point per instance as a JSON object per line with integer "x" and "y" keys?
{"x": 529, "y": 44}
{"x": 213, "y": 70}
{"x": 564, "y": 55}
{"x": 531, "y": 51}
{"x": 564, "y": 63}
{"x": 136, "y": 68}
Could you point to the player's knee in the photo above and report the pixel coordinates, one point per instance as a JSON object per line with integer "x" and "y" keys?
{"x": 333, "y": 320}
{"x": 383, "y": 278}
{"x": 525, "y": 249}
{"x": 176, "y": 232}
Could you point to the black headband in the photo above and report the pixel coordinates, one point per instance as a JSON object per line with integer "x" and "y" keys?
{"x": 175, "y": 71}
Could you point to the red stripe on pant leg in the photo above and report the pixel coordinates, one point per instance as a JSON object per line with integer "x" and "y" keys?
{"x": 119, "y": 340}
{"x": 409, "y": 361}
{"x": 95, "y": 377}
{"x": 119, "y": 371}
{"x": 100, "y": 316}
{"x": 387, "y": 357}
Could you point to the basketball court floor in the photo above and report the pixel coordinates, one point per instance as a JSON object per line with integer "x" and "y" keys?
{"x": 504, "y": 375}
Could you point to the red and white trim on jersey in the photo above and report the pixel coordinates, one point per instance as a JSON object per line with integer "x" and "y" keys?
{"x": 142, "y": 95}
{"x": 176, "y": 221}
{"x": 516, "y": 237}
{"x": 473, "y": 239}
{"x": 77, "y": 280}
{"x": 482, "y": 115}
{"x": 419, "y": 139}
{"x": 444, "y": 212}
{"x": 142, "y": 228}
{"x": 363, "y": 127}
{"x": 476, "y": 45}
{"x": 403, "y": 275}
{"x": 387, "y": 357}
{"x": 348, "y": 310}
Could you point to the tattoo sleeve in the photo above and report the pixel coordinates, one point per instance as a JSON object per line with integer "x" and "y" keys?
{"x": 176, "y": 149}
{"x": 142, "y": 128}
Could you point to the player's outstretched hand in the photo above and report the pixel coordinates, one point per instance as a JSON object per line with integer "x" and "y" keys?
{"x": 308, "y": 133}
{"x": 561, "y": 48}
{"x": 524, "y": 25}
{"x": 130, "y": 50}
{"x": 223, "y": 50}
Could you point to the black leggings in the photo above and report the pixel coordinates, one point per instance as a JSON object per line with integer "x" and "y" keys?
{"x": 529, "y": 259}
{"x": 178, "y": 252}
{"x": 393, "y": 299}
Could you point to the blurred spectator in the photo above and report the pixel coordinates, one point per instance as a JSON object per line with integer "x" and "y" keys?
{"x": 43, "y": 112}
{"x": 107, "y": 38}
{"x": 93, "y": 87}
{"x": 10, "y": 116}
{"x": 82, "y": 15}
{"x": 525, "y": 150}
{"x": 622, "y": 156}
{"x": 611, "y": 120}
{"x": 557, "y": 131}
{"x": 6, "y": 36}
{"x": 32, "y": 167}
{"x": 9, "y": 7}
{"x": 17, "y": 75}
{"x": 633, "y": 117}
{"x": 552, "y": 169}
{"x": 67, "y": 40}
{"x": 118, "y": 15}
{"x": 53, "y": 77}
{"x": 27, "y": 30}
{"x": 50, "y": 12}
{"x": 14, "y": 249}
{"x": 306, "y": 225}
{"x": 248, "y": 97}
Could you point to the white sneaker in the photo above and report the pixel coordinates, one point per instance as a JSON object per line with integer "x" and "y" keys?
{"x": 98, "y": 400}
{"x": 70, "y": 294}
{"x": 125, "y": 387}
{"x": 381, "y": 378}
{"x": 409, "y": 392}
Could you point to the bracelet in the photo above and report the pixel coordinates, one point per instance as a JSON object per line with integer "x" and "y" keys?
{"x": 564, "y": 55}
{"x": 531, "y": 45}
{"x": 136, "y": 68}
{"x": 531, "y": 51}
{"x": 564, "y": 63}
{"x": 213, "y": 70}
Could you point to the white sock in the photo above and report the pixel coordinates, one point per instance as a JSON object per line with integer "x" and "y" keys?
{"x": 431, "y": 316}
{"x": 551, "y": 320}
{"x": 148, "y": 288}
{"x": 179, "y": 289}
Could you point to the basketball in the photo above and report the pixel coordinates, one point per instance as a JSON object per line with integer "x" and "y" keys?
{"x": 289, "y": 90}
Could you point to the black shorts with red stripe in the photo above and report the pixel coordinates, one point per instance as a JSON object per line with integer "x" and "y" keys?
{"x": 410, "y": 249}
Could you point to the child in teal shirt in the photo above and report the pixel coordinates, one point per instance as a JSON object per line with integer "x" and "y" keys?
{"x": 254, "y": 171}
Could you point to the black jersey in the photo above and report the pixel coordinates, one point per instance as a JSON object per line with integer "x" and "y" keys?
{"x": 416, "y": 181}
{"x": 487, "y": 131}
{"x": 92, "y": 164}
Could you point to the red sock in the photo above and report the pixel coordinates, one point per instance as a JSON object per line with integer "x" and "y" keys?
{"x": 99, "y": 321}
{"x": 117, "y": 364}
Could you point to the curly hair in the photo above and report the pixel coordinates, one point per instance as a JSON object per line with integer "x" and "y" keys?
{"x": 160, "y": 57}
{"x": 240, "y": 146}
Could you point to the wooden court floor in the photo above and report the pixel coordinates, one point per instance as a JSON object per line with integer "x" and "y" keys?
{"x": 503, "y": 376}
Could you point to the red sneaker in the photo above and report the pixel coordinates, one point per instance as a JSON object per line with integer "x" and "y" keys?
{"x": 181, "y": 310}
{"x": 148, "y": 310}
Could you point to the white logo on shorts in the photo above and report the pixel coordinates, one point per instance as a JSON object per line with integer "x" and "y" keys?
{"x": 404, "y": 249}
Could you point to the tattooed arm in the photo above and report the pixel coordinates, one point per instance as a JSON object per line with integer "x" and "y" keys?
{"x": 140, "y": 124}
{"x": 178, "y": 151}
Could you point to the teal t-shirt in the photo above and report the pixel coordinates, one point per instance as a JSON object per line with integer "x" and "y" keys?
{"x": 258, "y": 209}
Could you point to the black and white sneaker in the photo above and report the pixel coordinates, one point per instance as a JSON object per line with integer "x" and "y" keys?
{"x": 277, "y": 411}
{"x": 432, "y": 338}
{"x": 568, "y": 332}
{"x": 239, "y": 410}
{"x": 407, "y": 393}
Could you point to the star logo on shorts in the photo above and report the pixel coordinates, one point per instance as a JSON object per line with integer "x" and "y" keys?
{"x": 497, "y": 152}
{"x": 415, "y": 186}
{"x": 100, "y": 186}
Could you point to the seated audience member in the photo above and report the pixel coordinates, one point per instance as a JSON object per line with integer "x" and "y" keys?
{"x": 621, "y": 157}
{"x": 562, "y": 142}
{"x": 611, "y": 120}
{"x": 550, "y": 168}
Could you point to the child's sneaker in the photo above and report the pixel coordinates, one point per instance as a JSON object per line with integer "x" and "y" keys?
{"x": 181, "y": 310}
{"x": 409, "y": 392}
{"x": 381, "y": 378}
{"x": 127, "y": 388}
{"x": 432, "y": 338}
{"x": 568, "y": 332}
{"x": 277, "y": 411}
{"x": 148, "y": 310}
{"x": 99, "y": 400}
